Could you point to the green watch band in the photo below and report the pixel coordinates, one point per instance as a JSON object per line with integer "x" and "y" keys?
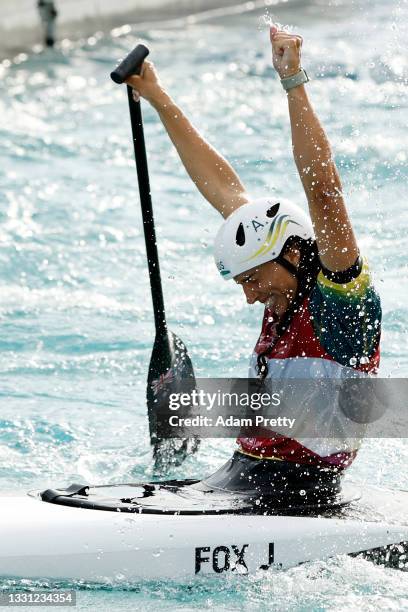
{"x": 296, "y": 79}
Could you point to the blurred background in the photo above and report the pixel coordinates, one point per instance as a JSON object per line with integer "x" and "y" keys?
{"x": 30, "y": 22}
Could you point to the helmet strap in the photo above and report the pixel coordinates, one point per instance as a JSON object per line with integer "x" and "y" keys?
{"x": 287, "y": 265}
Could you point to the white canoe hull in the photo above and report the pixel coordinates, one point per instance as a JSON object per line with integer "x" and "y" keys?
{"x": 43, "y": 540}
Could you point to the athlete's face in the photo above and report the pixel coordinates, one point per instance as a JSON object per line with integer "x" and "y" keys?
{"x": 271, "y": 284}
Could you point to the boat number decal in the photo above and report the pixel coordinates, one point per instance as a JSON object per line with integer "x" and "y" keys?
{"x": 225, "y": 558}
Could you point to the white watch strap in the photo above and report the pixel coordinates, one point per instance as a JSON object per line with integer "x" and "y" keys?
{"x": 296, "y": 79}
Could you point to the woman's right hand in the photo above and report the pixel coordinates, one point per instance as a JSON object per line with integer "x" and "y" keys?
{"x": 147, "y": 85}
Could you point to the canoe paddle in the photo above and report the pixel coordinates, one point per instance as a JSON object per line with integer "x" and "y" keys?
{"x": 170, "y": 366}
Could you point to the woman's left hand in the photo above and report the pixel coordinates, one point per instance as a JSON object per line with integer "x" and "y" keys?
{"x": 286, "y": 51}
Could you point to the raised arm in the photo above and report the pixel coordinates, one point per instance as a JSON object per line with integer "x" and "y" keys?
{"x": 211, "y": 173}
{"x": 336, "y": 242}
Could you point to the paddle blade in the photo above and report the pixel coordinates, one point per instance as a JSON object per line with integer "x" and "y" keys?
{"x": 170, "y": 371}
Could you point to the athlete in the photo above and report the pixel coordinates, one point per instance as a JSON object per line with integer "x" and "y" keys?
{"x": 322, "y": 315}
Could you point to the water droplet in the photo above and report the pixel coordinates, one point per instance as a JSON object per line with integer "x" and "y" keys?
{"x": 208, "y": 320}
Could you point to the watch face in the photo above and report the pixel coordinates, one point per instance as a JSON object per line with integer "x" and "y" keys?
{"x": 296, "y": 79}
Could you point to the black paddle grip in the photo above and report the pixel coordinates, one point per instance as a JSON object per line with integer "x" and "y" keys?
{"x": 132, "y": 64}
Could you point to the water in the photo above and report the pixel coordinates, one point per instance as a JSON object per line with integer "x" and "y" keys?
{"x": 75, "y": 311}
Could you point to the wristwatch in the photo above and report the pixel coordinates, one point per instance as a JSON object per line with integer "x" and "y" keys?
{"x": 296, "y": 79}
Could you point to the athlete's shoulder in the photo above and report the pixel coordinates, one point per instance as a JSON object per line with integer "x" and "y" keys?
{"x": 352, "y": 285}
{"x": 346, "y": 314}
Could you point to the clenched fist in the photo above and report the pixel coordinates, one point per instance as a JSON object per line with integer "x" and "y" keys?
{"x": 286, "y": 51}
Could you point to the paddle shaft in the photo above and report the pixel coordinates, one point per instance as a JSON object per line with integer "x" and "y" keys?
{"x": 147, "y": 213}
{"x": 132, "y": 64}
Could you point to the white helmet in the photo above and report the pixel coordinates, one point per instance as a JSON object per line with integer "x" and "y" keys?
{"x": 256, "y": 233}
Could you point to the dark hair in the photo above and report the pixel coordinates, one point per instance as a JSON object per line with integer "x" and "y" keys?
{"x": 308, "y": 269}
